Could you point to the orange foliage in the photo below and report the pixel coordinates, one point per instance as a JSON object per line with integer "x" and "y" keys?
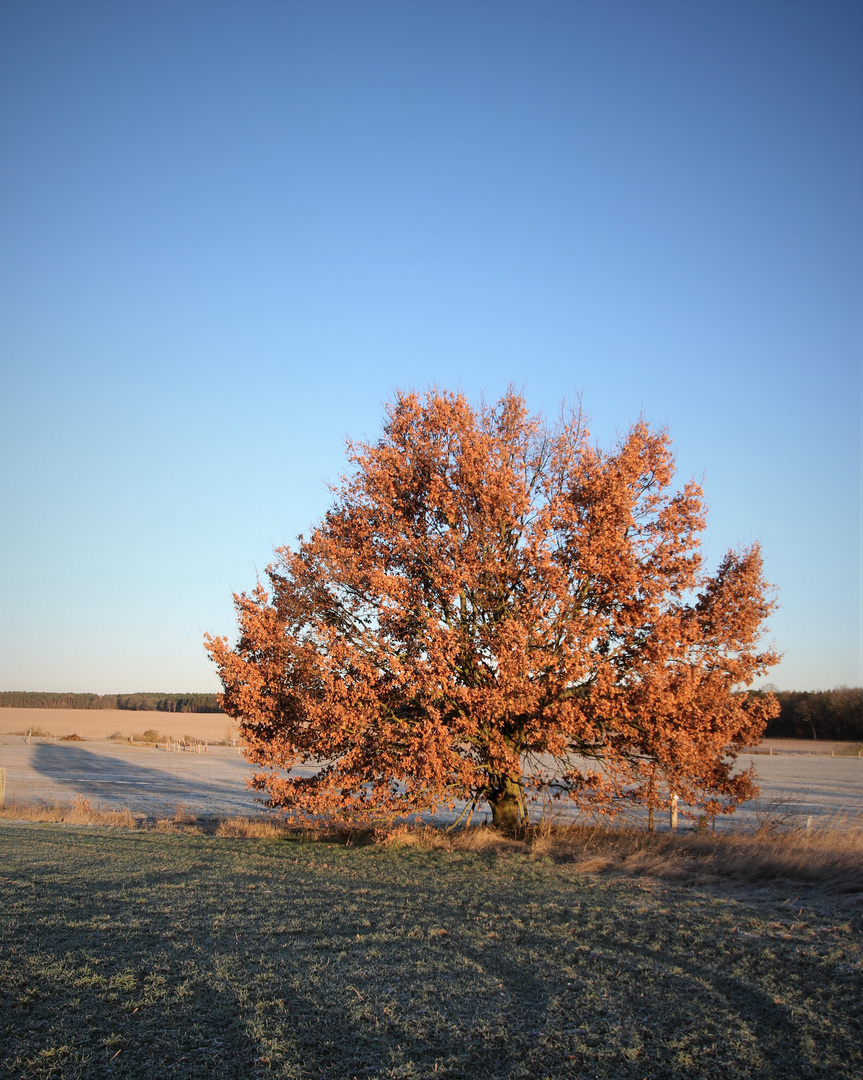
{"x": 494, "y": 607}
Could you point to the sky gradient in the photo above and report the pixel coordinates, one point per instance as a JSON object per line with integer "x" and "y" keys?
{"x": 230, "y": 231}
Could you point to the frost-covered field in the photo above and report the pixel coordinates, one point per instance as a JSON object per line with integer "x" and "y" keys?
{"x": 146, "y": 780}
{"x": 797, "y": 785}
{"x": 133, "y": 953}
{"x": 794, "y": 785}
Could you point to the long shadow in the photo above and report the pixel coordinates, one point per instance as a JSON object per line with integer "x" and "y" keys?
{"x": 195, "y": 975}
{"x": 138, "y": 1012}
{"x": 123, "y": 783}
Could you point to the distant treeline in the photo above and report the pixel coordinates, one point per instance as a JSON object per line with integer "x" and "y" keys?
{"x": 181, "y": 703}
{"x": 806, "y": 714}
{"x": 819, "y": 714}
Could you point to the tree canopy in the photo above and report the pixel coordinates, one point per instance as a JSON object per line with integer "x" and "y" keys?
{"x": 495, "y": 608}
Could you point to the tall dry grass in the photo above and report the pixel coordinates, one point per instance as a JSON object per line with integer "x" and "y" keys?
{"x": 81, "y": 812}
{"x": 251, "y": 828}
{"x": 831, "y": 854}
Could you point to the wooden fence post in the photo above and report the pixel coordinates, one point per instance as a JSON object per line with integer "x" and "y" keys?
{"x": 673, "y": 811}
{"x": 2, "y": 788}
{"x": 651, "y": 799}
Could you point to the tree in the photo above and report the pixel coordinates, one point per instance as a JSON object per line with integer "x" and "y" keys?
{"x": 819, "y": 714}
{"x": 494, "y": 607}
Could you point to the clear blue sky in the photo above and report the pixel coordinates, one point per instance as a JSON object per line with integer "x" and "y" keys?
{"x": 230, "y": 230}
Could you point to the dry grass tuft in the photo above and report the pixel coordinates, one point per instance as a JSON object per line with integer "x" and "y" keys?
{"x": 183, "y": 817}
{"x": 171, "y": 825}
{"x": 478, "y": 838}
{"x": 418, "y": 836}
{"x": 81, "y": 812}
{"x": 247, "y": 828}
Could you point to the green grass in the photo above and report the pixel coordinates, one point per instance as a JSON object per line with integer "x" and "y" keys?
{"x": 144, "y": 954}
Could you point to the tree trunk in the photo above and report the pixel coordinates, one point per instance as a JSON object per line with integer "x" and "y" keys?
{"x": 507, "y": 811}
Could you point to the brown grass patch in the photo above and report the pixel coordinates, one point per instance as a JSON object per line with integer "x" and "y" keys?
{"x": 831, "y": 855}
{"x": 182, "y": 816}
{"x": 183, "y": 821}
{"x": 249, "y": 828}
{"x": 81, "y": 812}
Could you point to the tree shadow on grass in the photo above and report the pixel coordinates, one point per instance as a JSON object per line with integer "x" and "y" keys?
{"x": 136, "y": 1007}
{"x": 197, "y": 957}
{"x": 68, "y": 1015}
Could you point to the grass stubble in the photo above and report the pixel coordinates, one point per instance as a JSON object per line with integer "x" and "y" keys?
{"x": 244, "y": 949}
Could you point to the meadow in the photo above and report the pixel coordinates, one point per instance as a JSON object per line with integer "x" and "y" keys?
{"x": 186, "y": 951}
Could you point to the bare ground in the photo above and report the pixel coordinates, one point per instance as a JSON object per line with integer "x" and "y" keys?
{"x": 103, "y": 723}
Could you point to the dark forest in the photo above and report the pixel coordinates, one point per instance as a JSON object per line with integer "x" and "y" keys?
{"x": 140, "y": 702}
